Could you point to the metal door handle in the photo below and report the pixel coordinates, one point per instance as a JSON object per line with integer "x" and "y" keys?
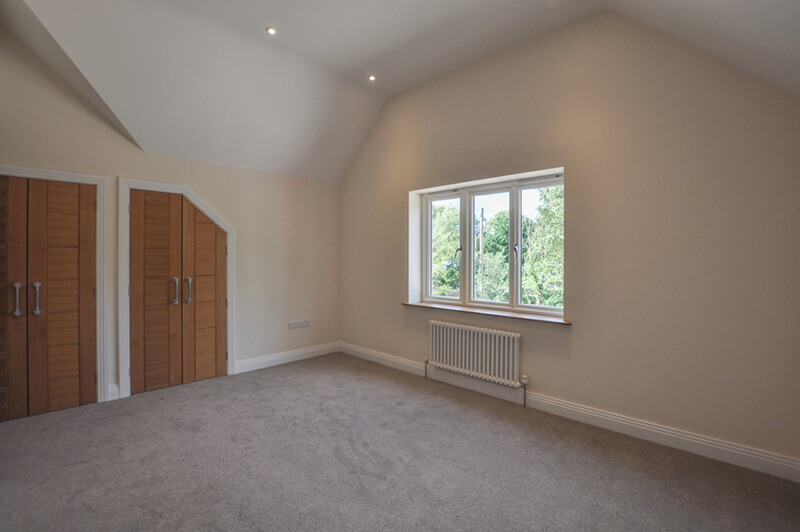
{"x": 189, "y": 299}
{"x": 37, "y": 310}
{"x": 17, "y": 312}
{"x": 177, "y": 299}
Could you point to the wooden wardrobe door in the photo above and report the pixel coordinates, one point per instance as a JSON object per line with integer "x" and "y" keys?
{"x": 205, "y": 318}
{"x": 61, "y": 295}
{"x": 155, "y": 301}
{"x": 87, "y": 285}
{"x": 190, "y": 296}
{"x": 14, "y": 318}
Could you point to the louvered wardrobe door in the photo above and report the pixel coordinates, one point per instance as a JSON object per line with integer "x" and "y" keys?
{"x": 14, "y": 319}
{"x": 156, "y": 303}
{"x": 62, "y": 334}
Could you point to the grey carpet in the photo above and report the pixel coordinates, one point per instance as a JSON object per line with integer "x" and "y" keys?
{"x": 337, "y": 443}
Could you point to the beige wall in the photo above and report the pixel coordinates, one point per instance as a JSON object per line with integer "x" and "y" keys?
{"x": 683, "y": 249}
{"x": 286, "y": 229}
{"x": 682, "y": 226}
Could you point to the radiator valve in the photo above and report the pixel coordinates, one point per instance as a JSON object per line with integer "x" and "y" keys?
{"x": 525, "y": 380}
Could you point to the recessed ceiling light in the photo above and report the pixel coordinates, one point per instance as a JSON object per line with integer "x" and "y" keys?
{"x": 372, "y": 77}
{"x": 271, "y": 31}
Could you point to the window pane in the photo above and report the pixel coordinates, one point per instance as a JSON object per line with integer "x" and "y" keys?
{"x": 542, "y": 211}
{"x": 445, "y": 247}
{"x": 490, "y": 260}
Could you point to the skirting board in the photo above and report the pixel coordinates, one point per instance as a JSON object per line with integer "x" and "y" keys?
{"x": 275, "y": 359}
{"x": 417, "y": 368}
{"x": 732, "y": 453}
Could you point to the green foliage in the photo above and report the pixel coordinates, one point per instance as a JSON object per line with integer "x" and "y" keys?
{"x": 542, "y": 241}
{"x": 445, "y": 244}
{"x": 491, "y": 269}
{"x": 491, "y": 277}
{"x": 543, "y": 251}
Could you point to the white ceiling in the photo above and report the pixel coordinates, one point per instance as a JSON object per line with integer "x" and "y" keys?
{"x": 199, "y": 79}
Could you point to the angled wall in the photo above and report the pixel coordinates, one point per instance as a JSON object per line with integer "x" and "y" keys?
{"x": 682, "y": 241}
{"x": 286, "y": 228}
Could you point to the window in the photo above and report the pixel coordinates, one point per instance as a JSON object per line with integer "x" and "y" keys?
{"x": 494, "y": 244}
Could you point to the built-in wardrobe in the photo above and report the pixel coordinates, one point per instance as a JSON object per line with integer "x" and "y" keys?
{"x": 178, "y": 298}
{"x": 48, "y": 328}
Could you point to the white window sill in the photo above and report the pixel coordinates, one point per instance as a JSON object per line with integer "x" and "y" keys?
{"x": 492, "y": 312}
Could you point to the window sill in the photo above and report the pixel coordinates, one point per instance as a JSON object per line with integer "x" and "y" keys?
{"x": 492, "y": 312}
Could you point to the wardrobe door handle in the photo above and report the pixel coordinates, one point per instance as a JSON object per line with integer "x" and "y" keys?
{"x": 17, "y": 312}
{"x": 37, "y": 311}
{"x": 177, "y": 299}
{"x": 189, "y": 299}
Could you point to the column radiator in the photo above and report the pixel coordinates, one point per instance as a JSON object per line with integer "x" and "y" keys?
{"x": 481, "y": 353}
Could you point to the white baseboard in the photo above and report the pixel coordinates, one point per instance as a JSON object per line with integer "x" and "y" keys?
{"x": 417, "y": 368}
{"x": 275, "y": 359}
{"x": 733, "y": 453}
{"x": 724, "y": 451}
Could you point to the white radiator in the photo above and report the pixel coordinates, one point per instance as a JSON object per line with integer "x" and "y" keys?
{"x": 481, "y": 353}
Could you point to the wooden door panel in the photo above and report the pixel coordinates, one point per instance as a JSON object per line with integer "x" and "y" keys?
{"x": 136, "y": 268}
{"x": 205, "y": 315}
{"x": 61, "y": 251}
{"x": 205, "y": 289}
{"x": 13, "y": 269}
{"x": 17, "y": 232}
{"x": 63, "y": 322}
{"x": 43, "y": 227}
{"x": 63, "y": 294}
{"x": 169, "y": 235}
{"x": 62, "y": 263}
{"x": 63, "y": 362}
{"x": 63, "y": 218}
{"x": 63, "y": 376}
{"x": 208, "y": 243}
{"x": 5, "y": 281}
{"x": 155, "y": 261}
{"x": 63, "y": 393}
{"x": 206, "y": 250}
{"x": 205, "y": 360}
{"x": 175, "y": 270}
{"x": 188, "y": 314}
{"x": 37, "y": 273}
{"x": 205, "y": 263}
{"x": 156, "y": 348}
{"x": 62, "y": 329}
{"x": 158, "y": 292}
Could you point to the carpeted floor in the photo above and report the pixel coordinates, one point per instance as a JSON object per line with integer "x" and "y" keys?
{"x": 337, "y": 443}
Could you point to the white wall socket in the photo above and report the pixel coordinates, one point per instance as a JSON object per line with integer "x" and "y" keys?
{"x": 297, "y": 324}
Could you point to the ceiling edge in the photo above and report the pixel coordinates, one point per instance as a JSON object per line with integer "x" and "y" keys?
{"x": 20, "y": 21}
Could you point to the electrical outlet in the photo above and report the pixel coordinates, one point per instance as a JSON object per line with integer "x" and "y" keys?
{"x": 298, "y": 324}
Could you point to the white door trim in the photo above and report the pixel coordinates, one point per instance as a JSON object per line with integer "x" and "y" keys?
{"x": 104, "y": 318}
{"x": 124, "y": 308}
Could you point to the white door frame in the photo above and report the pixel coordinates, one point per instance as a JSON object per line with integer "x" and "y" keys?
{"x": 124, "y": 307}
{"x": 104, "y": 318}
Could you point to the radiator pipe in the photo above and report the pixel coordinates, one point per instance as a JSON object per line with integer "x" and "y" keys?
{"x": 426, "y": 368}
{"x": 525, "y": 395}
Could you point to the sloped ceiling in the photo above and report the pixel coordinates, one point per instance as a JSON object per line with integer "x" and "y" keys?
{"x": 200, "y": 79}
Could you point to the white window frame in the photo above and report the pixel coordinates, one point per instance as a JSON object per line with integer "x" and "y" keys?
{"x": 466, "y": 192}
{"x": 428, "y": 243}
